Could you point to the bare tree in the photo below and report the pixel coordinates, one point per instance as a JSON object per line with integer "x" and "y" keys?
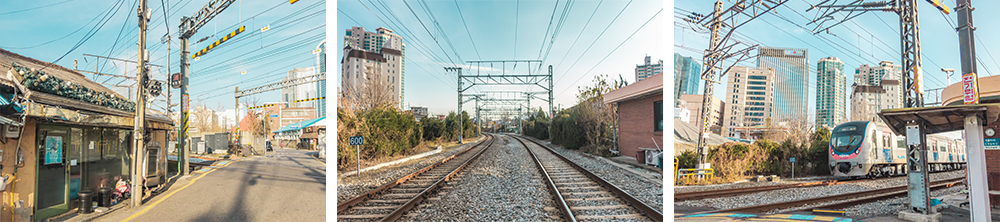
{"x": 799, "y": 128}
{"x": 374, "y": 92}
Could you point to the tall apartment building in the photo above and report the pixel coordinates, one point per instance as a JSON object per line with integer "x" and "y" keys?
{"x": 321, "y": 85}
{"x": 648, "y": 69}
{"x": 875, "y": 89}
{"x": 831, "y": 95}
{"x": 873, "y": 75}
{"x": 791, "y": 71}
{"x": 381, "y": 53}
{"x": 687, "y": 76}
{"x": 303, "y": 91}
{"x": 694, "y": 103}
{"x": 749, "y": 99}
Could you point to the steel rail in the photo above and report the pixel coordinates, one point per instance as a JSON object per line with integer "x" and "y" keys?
{"x": 803, "y": 202}
{"x": 420, "y": 197}
{"x": 556, "y": 195}
{"x": 361, "y": 198}
{"x": 745, "y": 190}
{"x": 643, "y": 208}
{"x": 846, "y": 204}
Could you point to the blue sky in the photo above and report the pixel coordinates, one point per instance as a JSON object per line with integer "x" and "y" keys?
{"x": 867, "y": 39}
{"x": 492, "y": 27}
{"x": 213, "y": 77}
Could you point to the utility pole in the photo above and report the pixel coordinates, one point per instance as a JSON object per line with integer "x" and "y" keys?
{"x": 236, "y": 113}
{"x": 978, "y": 191}
{"x": 188, "y": 27}
{"x": 719, "y": 50}
{"x": 459, "y": 111}
{"x": 138, "y": 152}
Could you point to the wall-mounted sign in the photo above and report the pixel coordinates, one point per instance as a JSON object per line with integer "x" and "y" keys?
{"x": 991, "y": 143}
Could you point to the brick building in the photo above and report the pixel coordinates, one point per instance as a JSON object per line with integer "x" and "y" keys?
{"x": 640, "y": 115}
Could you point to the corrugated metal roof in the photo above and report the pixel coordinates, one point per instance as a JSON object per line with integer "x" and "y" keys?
{"x": 299, "y": 125}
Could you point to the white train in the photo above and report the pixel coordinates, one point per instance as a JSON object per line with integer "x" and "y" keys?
{"x": 871, "y": 149}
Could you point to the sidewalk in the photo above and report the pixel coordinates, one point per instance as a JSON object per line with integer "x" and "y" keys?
{"x": 123, "y": 210}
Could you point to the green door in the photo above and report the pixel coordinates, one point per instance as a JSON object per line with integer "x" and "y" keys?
{"x": 53, "y": 171}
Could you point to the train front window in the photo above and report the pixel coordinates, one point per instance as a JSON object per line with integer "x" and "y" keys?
{"x": 845, "y": 142}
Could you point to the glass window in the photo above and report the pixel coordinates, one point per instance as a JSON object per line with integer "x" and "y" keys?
{"x": 658, "y": 115}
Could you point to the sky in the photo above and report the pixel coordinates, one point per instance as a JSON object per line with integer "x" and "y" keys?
{"x": 867, "y": 39}
{"x": 30, "y": 28}
{"x": 511, "y": 30}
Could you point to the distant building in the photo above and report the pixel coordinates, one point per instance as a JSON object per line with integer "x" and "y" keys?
{"x": 687, "y": 76}
{"x": 305, "y": 91}
{"x": 648, "y": 69}
{"x": 875, "y": 89}
{"x": 831, "y": 95}
{"x": 418, "y": 112}
{"x": 791, "y": 89}
{"x": 749, "y": 99}
{"x": 321, "y": 85}
{"x": 694, "y": 104}
{"x": 382, "y": 53}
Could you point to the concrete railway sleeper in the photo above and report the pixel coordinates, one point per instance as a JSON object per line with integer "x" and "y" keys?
{"x": 581, "y": 195}
{"x": 390, "y": 201}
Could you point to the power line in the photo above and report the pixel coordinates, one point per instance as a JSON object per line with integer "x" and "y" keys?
{"x": 24, "y": 10}
{"x": 595, "y": 40}
{"x": 616, "y": 48}
{"x": 93, "y": 31}
{"x": 467, "y": 30}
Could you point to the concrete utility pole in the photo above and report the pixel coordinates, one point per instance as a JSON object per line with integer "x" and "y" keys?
{"x": 719, "y": 50}
{"x": 138, "y": 152}
{"x": 978, "y": 191}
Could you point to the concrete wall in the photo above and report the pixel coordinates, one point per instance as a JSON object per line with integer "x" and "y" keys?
{"x": 636, "y": 121}
{"x": 20, "y": 184}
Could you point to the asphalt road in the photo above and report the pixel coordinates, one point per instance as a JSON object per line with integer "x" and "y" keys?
{"x": 287, "y": 185}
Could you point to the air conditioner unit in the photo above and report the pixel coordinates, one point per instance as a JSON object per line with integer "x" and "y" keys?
{"x": 10, "y": 131}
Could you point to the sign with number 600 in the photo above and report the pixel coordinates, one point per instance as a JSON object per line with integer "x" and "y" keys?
{"x": 357, "y": 140}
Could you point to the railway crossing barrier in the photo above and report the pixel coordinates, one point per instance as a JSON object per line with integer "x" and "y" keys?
{"x": 687, "y": 176}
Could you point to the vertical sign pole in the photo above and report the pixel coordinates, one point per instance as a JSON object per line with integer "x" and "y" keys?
{"x": 357, "y": 148}
{"x": 184, "y": 150}
{"x": 979, "y": 201}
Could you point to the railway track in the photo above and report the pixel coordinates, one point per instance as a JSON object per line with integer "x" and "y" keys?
{"x": 696, "y": 195}
{"x": 581, "y": 195}
{"x": 852, "y": 199}
{"x": 389, "y": 201}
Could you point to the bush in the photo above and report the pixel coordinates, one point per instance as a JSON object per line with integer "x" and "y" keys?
{"x": 387, "y": 132}
{"x": 566, "y": 132}
{"x": 433, "y": 128}
{"x": 687, "y": 160}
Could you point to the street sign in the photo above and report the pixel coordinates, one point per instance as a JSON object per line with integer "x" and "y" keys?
{"x": 970, "y": 88}
{"x": 357, "y": 140}
{"x": 991, "y": 143}
{"x": 791, "y": 159}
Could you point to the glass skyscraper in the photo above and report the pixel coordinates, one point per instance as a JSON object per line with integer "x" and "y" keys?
{"x": 831, "y": 99}
{"x": 687, "y": 76}
{"x": 791, "y": 70}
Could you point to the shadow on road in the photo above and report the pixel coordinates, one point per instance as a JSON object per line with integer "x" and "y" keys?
{"x": 238, "y": 210}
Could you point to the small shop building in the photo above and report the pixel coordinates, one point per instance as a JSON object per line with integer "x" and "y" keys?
{"x": 63, "y": 134}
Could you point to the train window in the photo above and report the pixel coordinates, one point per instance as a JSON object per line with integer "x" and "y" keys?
{"x": 901, "y": 141}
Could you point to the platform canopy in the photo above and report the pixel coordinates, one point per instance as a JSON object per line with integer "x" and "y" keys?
{"x": 301, "y": 125}
{"x": 939, "y": 119}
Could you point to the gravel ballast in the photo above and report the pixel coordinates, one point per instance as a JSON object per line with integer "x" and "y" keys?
{"x": 784, "y": 195}
{"x": 352, "y": 186}
{"x": 502, "y": 185}
{"x": 641, "y": 188}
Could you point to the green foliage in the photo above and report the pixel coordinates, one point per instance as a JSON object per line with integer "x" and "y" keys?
{"x": 451, "y": 127}
{"x": 818, "y": 152}
{"x": 387, "y": 132}
{"x": 537, "y": 125}
{"x": 434, "y": 128}
{"x": 687, "y": 160}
